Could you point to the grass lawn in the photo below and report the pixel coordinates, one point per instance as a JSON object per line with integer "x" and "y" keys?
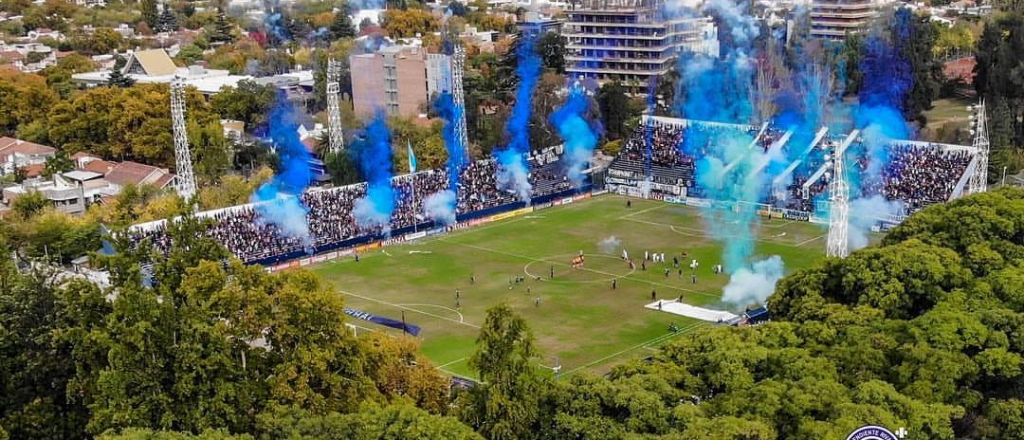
{"x": 949, "y": 110}
{"x": 581, "y": 323}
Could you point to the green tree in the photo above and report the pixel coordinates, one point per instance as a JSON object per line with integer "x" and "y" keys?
{"x": 249, "y": 102}
{"x": 118, "y": 79}
{"x": 505, "y": 406}
{"x": 551, "y": 48}
{"x": 168, "y": 20}
{"x": 221, "y": 32}
{"x": 616, "y": 110}
{"x": 24, "y": 98}
{"x": 29, "y": 204}
{"x": 59, "y": 163}
{"x": 342, "y": 26}
{"x": 150, "y": 12}
{"x": 58, "y": 76}
{"x": 342, "y": 168}
{"x": 408, "y": 23}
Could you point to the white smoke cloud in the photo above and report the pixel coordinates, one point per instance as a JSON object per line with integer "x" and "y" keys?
{"x": 283, "y": 210}
{"x": 440, "y": 206}
{"x": 513, "y": 176}
{"x": 610, "y": 245}
{"x": 368, "y": 216}
{"x": 743, "y": 27}
{"x": 755, "y": 284}
{"x": 865, "y": 213}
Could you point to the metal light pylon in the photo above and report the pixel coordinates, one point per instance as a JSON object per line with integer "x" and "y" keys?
{"x": 336, "y": 139}
{"x": 979, "y": 180}
{"x": 838, "y": 244}
{"x": 458, "y": 61}
{"x": 186, "y": 186}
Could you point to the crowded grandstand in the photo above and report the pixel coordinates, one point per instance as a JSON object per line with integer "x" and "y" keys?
{"x": 915, "y": 173}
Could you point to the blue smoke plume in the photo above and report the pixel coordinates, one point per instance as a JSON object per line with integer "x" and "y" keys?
{"x": 281, "y": 204}
{"x": 888, "y": 79}
{"x": 441, "y": 206}
{"x": 579, "y": 137}
{"x": 451, "y": 112}
{"x": 373, "y": 154}
{"x": 720, "y": 90}
{"x": 513, "y": 173}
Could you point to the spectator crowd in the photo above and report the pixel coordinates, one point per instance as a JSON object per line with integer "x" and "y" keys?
{"x": 329, "y": 216}
{"x": 916, "y": 174}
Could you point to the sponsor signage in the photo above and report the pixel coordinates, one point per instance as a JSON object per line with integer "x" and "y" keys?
{"x": 415, "y": 235}
{"x": 387, "y": 322}
{"x": 790, "y": 214}
{"x": 676, "y": 199}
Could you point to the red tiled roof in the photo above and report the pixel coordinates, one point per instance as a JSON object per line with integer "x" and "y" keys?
{"x": 11, "y": 55}
{"x": 163, "y": 181}
{"x": 9, "y": 145}
{"x": 33, "y": 170}
{"x": 130, "y": 172}
{"x": 98, "y": 166}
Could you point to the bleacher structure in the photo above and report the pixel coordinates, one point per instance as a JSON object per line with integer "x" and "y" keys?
{"x": 547, "y": 175}
{"x": 797, "y": 190}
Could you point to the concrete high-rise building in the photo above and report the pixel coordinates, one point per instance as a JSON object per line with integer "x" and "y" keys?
{"x": 834, "y": 19}
{"x": 631, "y": 40}
{"x": 396, "y": 79}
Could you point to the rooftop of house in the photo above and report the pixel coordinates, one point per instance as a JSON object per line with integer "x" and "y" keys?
{"x": 135, "y": 173}
{"x": 9, "y": 146}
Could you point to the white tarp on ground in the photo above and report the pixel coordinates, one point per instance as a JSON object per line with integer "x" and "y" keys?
{"x": 684, "y": 309}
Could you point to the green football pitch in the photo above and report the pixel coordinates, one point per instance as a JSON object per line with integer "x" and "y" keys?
{"x": 580, "y": 321}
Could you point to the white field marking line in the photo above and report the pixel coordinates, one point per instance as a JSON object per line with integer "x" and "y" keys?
{"x": 653, "y": 208}
{"x": 810, "y": 240}
{"x": 451, "y": 373}
{"x": 658, "y": 339}
{"x": 461, "y": 318}
{"x": 526, "y": 270}
{"x": 441, "y": 367}
{"x": 784, "y": 224}
{"x": 675, "y": 229}
{"x": 345, "y": 292}
{"x": 586, "y": 269}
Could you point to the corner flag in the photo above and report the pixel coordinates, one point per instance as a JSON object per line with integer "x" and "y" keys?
{"x": 412, "y": 157}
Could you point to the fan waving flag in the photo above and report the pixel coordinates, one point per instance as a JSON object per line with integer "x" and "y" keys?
{"x": 412, "y": 158}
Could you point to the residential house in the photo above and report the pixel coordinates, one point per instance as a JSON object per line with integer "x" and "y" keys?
{"x": 16, "y": 153}
{"x": 135, "y": 173}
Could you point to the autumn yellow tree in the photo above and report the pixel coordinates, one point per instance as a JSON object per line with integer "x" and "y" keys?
{"x": 408, "y": 23}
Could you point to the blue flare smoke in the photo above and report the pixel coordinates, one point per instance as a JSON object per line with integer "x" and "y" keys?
{"x": 578, "y": 135}
{"x": 513, "y": 173}
{"x": 281, "y": 204}
{"x": 373, "y": 154}
{"x": 451, "y": 112}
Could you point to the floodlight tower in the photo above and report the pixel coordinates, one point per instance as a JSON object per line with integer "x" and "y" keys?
{"x": 458, "y": 62}
{"x": 186, "y": 187}
{"x": 336, "y": 140}
{"x": 979, "y": 128}
{"x": 839, "y": 209}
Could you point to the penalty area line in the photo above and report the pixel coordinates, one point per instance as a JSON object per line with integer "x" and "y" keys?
{"x": 441, "y": 367}
{"x": 345, "y": 292}
{"x": 685, "y": 330}
{"x": 461, "y": 318}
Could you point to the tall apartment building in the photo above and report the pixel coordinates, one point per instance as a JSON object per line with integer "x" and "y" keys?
{"x": 396, "y": 79}
{"x": 631, "y": 40}
{"x": 834, "y": 19}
